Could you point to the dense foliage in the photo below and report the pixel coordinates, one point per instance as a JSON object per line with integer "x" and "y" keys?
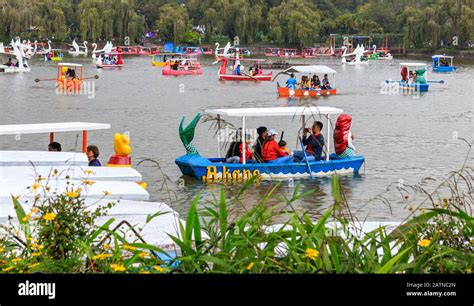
{"x": 424, "y": 23}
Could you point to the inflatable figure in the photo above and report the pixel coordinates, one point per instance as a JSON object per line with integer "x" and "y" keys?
{"x": 122, "y": 149}
{"x": 343, "y": 136}
{"x": 187, "y": 135}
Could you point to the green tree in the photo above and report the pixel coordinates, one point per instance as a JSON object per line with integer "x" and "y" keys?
{"x": 173, "y": 21}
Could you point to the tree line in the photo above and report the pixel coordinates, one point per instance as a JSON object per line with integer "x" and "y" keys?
{"x": 423, "y": 23}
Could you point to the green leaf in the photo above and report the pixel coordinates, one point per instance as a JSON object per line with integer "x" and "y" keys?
{"x": 20, "y": 214}
{"x": 386, "y": 268}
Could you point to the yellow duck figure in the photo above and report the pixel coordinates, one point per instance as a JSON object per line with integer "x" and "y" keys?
{"x": 122, "y": 149}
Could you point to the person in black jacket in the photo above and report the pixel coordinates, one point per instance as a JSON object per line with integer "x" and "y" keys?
{"x": 257, "y": 149}
{"x": 314, "y": 144}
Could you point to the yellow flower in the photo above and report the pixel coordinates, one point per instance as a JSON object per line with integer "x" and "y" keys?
{"x": 1, "y": 249}
{"x": 144, "y": 272}
{"x": 118, "y": 268}
{"x": 159, "y": 269}
{"x": 101, "y": 256}
{"x": 8, "y": 269}
{"x": 36, "y": 254}
{"x": 106, "y": 193}
{"x": 250, "y": 266}
{"x": 26, "y": 217}
{"x": 143, "y": 254}
{"x": 311, "y": 254}
{"x": 33, "y": 265}
{"x": 88, "y": 182}
{"x": 35, "y": 186}
{"x": 88, "y": 172}
{"x": 16, "y": 259}
{"x": 424, "y": 243}
{"x": 106, "y": 246}
{"x": 72, "y": 194}
{"x": 37, "y": 247}
{"x": 49, "y": 216}
{"x": 468, "y": 270}
{"x": 129, "y": 247}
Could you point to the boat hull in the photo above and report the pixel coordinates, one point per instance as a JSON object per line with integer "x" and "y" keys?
{"x": 231, "y": 77}
{"x": 287, "y": 92}
{"x": 167, "y": 71}
{"x": 216, "y": 169}
{"x": 415, "y": 86}
{"x": 444, "y": 69}
{"x": 104, "y": 66}
{"x": 7, "y": 69}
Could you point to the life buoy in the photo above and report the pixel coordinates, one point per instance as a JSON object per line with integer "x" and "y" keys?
{"x": 341, "y": 133}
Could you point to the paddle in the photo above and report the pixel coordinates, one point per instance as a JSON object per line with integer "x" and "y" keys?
{"x": 93, "y": 77}
{"x": 281, "y": 137}
{"x": 439, "y": 82}
{"x": 243, "y": 73}
{"x": 306, "y": 158}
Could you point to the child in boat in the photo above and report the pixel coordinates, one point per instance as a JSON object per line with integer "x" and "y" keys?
{"x": 314, "y": 144}
{"x": 271, "y": 151}
{"x": 291, "y": 82}
{"x": 233, "y": 152}
{"x": 237, "y": 70}
{"x": 248, "y": 150}
{"x": 326, "y": 84}
{"x": 282, "y": 145}
{"x": 92, "y": 155}
{"x": 257, "y": 149}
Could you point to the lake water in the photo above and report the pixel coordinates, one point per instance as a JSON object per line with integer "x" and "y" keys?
{"x": 403, "y": 138}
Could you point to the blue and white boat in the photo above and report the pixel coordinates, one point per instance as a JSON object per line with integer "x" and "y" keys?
{"x": 407, "y": 83}
{"x": 216, "y": 169}
{"x": 440, "y": 63}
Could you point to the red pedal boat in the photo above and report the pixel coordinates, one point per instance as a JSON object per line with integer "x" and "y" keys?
{"x": 256, "y": 74}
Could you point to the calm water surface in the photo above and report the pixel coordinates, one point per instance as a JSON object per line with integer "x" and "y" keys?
{"x": 402, "y": 137}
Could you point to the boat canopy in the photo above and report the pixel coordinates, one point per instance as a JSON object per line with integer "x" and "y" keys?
{"x": 37, "y": 128}
{"x": 442, "y": 56}
{"x": 276, "y": 111}
{"x": 319, "y": 69}
{"x": 69, "y": 65}
{"x": 413, "y": 64}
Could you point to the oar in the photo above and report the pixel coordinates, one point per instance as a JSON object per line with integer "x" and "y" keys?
{"x": 440, "y": 81}
{"x": 88, "y": 78}
{"x": 281, "y": 137}
{"x": 243, "y": 73}
{"x": 306, "y": 158}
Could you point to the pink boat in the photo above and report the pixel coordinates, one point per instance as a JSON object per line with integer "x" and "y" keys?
{"x": 293, "y": 53}
{"x": 148, "y": 50}
{"x": 256, "y": 64}
{"x": 272, "y": 51}
{"x": 182, "y": 66}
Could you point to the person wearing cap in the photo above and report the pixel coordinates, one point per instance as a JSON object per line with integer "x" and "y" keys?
{"x": 257, "y": 149}
{"x": 314, "y": 144}
{"x": 271, "y": 151}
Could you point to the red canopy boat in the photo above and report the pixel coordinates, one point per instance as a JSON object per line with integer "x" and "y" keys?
{"x": 184, "y": 65}
{"x": 272, "y": 51}
{"x": 289, "y": 53}
{"x": 256, "y": 75}
{"x": 128, "y": 50}
{"x": 148, "y": 50}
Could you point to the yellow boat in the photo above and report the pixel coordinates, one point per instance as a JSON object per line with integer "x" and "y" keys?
{"x": 54, "y": 55}
{"x": 160, "y": 59}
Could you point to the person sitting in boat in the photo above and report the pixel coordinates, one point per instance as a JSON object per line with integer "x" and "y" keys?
{"x": 175, "y": 65}
{"x": 248, "y": 150}
{"x": 251, "y": 71}
{"x": 257, "y": 71}
{"x": 444, "y": 62}
{"x": 404, "y": 74}
{"x": 326, "y": 84}
{"x": 291, "y": 82}
{"x": 315, "y": 81}
{"x": 54, "y": 147}
{"x": 271, "y": 152}
{"x": 282, "y": 145}
{"x": 237, "y": 70}
{"x": 305, "y": 83}
{"x": 92, "y": 155}
{"x": 343, "y": 137}
{"x": 9, "y": 63}
{"x": 71, "y": 74}
{"x": 257, "y": 148}
{"x": 314, "y": 144}
{"x": 233, "y": 153}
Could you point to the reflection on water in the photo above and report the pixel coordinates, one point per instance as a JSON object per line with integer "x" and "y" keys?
{"x": 402, "y": 137}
